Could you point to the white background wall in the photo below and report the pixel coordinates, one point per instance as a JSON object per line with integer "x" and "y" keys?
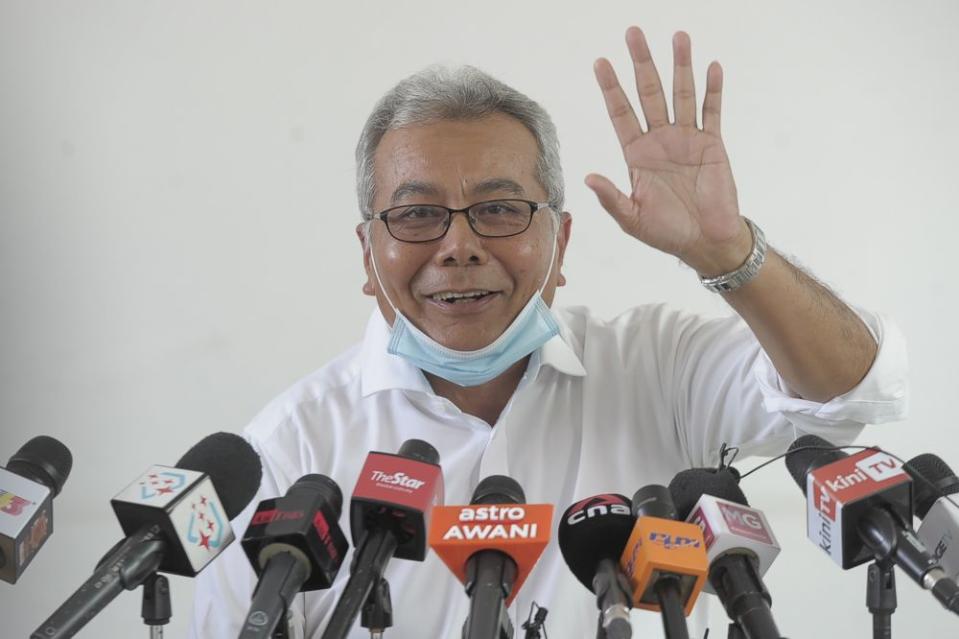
{"x": 177, "y": 213}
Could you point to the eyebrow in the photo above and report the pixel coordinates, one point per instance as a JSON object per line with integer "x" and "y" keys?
{"x": 486, "y": 187}
{"x": 413, "y": 187}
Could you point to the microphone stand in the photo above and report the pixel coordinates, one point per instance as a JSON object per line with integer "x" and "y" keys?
{"x": 674, "y": 619}
{"x": 881, "y": 597}
{"x": 377, "y": 613}
{"x": 156, "y": 609}
{"x": 369, "y": 561}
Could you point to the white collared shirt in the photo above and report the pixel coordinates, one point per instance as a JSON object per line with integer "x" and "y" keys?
{"x": 606, "y": 406}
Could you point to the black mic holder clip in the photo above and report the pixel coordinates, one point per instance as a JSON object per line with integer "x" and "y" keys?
{"x": 156, "y": 608}
{"x": 377, "y": 613}
{"x": 881, "y": 597}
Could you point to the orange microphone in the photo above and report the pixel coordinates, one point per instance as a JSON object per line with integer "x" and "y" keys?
{"x": 491, "y": 546}
{"x": 664, "y": 559}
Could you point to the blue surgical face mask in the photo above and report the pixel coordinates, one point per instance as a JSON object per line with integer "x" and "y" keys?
{"x": 533, "y": 327}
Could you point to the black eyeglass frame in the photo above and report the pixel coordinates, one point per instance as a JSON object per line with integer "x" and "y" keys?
{"x": 533, "y": 208}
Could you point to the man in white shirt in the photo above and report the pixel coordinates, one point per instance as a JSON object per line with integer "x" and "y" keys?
{"x": 463, "y": 241}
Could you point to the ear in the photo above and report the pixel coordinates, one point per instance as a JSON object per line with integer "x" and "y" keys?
{"x": 361, "y": 234}
{"x": 562, "y": 239}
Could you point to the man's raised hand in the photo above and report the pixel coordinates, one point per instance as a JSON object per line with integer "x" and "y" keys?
{"x": 683, "y": 197}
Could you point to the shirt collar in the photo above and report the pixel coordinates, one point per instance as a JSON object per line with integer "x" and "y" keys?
{"x": 382, "y": 371}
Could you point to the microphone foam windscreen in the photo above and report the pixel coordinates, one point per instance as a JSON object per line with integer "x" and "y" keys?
{"x": 316, "y": 483}
{"x": 498, "y": 489}
{"x": 801, "y": 462}
{"x": 45, "y": 460}
{"x": 689, "y": 485}
{"x": 233, "y": 467}
{"x": 594, "y": 529}
{"x": 420, "y": 451}
{"x": 934, "y": 471}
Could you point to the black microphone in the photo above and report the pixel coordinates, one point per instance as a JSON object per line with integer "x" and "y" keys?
{"x": 176, "y": 520}
{"x": 295, "y": 544}
{"x": 592, "y": 535}
{"x": 933, "y": 481}
{"x": 33, "y": 477}
{"x": 491, "y": 574}
{"x": 859, "y": 508}
{"x": 739, "y": 545}
{"x": 389, "y": 517}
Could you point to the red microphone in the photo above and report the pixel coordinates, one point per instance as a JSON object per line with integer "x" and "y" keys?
{"x": 389, "y": 516}
{"x": 859, "y": 508}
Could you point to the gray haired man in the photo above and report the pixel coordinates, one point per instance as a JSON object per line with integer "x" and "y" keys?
{"x": 463, "y": 239}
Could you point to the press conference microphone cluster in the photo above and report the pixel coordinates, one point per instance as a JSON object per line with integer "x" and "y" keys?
{"x": 934, "y": 481}
{"x": 740, "y": 545}
{"x": 176, "y": 520}
{"x": 34, "y": 475}
{"x": 295, "y": 544}
{"x": 859, "y": 508}
{"x": 389, "y": 517}
{"x": 491, "y": 546}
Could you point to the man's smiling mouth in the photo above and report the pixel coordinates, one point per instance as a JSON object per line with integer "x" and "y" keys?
{"x": 454, "y": 297}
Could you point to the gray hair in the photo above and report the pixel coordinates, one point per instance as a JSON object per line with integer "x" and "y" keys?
{"x": 462, "y": 93}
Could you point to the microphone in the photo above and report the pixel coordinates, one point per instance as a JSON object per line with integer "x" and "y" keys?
{"x": 491, "y": 546}
{"x": 176, "y": 520}
{"x": 664, "y": 559}
{"x": 740, "y": 545}
{"x": 859, "y": 508}
{"x": 294, "y": 544}
{"x": 933, "y": 480}
{"x": 33, "y": 477}
{"x": 389, "y": 516}
{"x": 592, "y": 535}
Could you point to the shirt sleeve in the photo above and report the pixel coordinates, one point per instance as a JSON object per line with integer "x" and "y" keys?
{"x": 225, "y": 588}
{"x": 725, "y": 389}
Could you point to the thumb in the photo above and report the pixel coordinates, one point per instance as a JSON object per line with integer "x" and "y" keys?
{"x": 616, "y": 203}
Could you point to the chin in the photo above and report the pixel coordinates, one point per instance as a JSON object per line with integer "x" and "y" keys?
{"x": 465, "y": 342}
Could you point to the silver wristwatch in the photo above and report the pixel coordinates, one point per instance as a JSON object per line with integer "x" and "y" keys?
{"x": 734, "y": 279}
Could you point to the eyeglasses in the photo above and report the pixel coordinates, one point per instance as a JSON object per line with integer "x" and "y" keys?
{"x": 428, "y": 222}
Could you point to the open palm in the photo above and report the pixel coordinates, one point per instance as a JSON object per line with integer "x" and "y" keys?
{"x": 683, "y": 196}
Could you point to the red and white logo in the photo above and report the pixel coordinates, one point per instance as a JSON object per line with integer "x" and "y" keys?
{"x": 396, "y": 479}
{"x": 207, "y": 524}
{"x": 39, "y": 531}
{"x": 13, "y": 505}
{"x": 161, "y": 483}
{"x": 699, "y": 518}
{"x": 823, "y": 502}
{"x": 880, "y": 466}
{"x": 597, "y": 506}
{"x": 746, "y": 522}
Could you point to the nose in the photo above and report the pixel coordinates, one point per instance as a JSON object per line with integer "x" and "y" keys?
{"x": 461, "y": 246}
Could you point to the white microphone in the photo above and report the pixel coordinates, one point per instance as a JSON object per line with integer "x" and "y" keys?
{"x": 33, "y": 477}
{"x": 732, "y": 527}
{"x": 933, "y": 480}
{"x": 740, "y": 545}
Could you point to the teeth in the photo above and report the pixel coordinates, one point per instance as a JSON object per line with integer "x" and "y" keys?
{"x": 449, "y": 296}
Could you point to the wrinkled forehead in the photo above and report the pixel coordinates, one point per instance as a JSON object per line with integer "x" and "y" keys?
{"x": 456, "y": 162}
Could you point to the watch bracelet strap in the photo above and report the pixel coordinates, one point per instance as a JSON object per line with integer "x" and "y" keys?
{"x": 749, "y": 269}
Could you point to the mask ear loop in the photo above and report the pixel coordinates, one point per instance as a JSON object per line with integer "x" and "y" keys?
{"x": 552, "y": 255}
{"x": 376, "y": 273}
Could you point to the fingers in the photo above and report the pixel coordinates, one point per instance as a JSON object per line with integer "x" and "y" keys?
{"x": 617, "y": 203}
{"x": 712, "y": 103}
{"x": 648, "y": 84}
{"x": 684, "y": 89}
{"x": 621, "y": 113}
